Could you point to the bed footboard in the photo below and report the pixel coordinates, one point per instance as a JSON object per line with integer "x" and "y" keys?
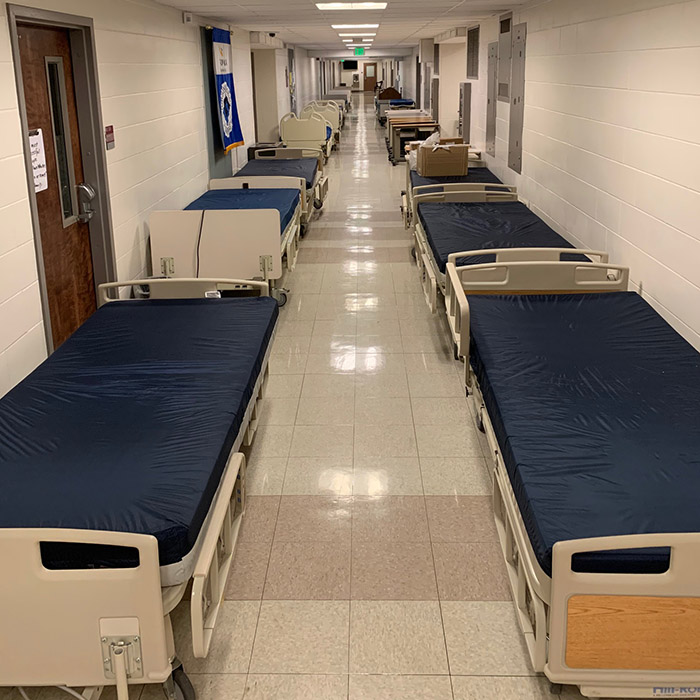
{"x": 81, "y": 627}
{"x": 627, "y": 635}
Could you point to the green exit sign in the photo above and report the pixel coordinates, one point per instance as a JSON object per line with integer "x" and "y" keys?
{"x": 359, "y": 51}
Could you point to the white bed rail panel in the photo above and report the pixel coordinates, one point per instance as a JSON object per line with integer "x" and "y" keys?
{"x": 225, "y": 243}
{"x": 259, "y": 182}
{"x": 289, "y": 154}
{"x": 62, "y": 627}
{"x": 627, "y": 635}
{"x": 185, "y": 288}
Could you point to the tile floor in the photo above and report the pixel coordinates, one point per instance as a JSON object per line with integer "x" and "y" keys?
{"x": 368, "y": 566}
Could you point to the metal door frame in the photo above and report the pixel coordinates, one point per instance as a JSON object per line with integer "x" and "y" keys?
{"x": 89, "y": 112}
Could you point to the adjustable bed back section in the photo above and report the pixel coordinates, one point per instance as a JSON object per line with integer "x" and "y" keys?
{"x": 595, "y": 403}
{"x": 128, "y": 426}
{"x": 451, "y": 227}
{"x": 305, "y": 168}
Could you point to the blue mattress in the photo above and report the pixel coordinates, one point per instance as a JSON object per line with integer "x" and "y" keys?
{"x": 293, "y": 167}
{"x": 595, "y": 401}
{"x": 475, "y": 175}
{"x": 329, "y": 133}
{"x": 129, "y": 424}
{"x": 401, "y": 103}
{"x": 284, "y": 200}
{"x": 451, "y": 227}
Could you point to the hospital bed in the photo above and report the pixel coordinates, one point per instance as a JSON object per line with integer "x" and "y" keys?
{"x": 241, "y": 227}
{"x": 330, "y": 111}
{"x": 306, "y": 163}
{"x": 313, "y": 131}
{"x": 340, "y": 96}
{"x": 591, "y": 407}
{"x": 124, "y": 487}
{"x": 335, "y": 104}
{"x": 383, "y": 104}
{"x": 478, "y": 173}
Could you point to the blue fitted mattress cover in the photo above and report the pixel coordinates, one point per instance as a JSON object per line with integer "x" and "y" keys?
{"x": 329, "y": 133}
{"x": 595, "y": 401}
{"x": 292, "y": 167}
{"x": 401, "y": 103}
{"x": 284, "y": 200}
{"x": 128, "y": 426}
{"x": 451, "y": 227}
{"x": 480, "y": 175}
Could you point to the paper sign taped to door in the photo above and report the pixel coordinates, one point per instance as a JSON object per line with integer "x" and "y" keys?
{"x": 36, "y": 149}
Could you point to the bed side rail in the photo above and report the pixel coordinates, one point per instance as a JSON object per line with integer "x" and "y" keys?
{"x": 216, "y": 555}
{"x": 64, "y": 627}
{"x": 630, "y": 630}
{"x": 180, "y": 288}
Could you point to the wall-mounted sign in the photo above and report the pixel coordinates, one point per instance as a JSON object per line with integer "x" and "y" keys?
{"x": 109, "y": 137}
{"x": 38, "y": 154}
{"x": 359, "y": 51}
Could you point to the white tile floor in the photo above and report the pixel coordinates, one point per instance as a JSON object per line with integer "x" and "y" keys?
{"x": 368, "y": 566}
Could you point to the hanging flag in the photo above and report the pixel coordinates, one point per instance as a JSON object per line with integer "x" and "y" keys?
{"x": 231, "y": 133}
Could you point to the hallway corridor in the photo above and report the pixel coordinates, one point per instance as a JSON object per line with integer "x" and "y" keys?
{"x": 368, "y": 566}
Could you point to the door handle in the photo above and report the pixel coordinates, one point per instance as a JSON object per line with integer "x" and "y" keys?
{"x": 86, "y": 193}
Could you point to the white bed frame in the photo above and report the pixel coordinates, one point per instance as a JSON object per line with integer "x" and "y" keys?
{"x": 330, "y": 111}
{"x": 346, "y": 96}
{"x": 613, "y": 635}
{"x": 432, "y": 279}
{"x": 306, "y": 133}
{"x": 111, "y": 627}
{"x": 328, "y": 103}
{"x": 315, "y": 196}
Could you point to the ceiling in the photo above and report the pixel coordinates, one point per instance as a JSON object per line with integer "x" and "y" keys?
{"x": 300, "y": 22}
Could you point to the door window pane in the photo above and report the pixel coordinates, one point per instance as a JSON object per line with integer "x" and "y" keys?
{"x": 370, "y": 71}
{"x": 61, "y": 136}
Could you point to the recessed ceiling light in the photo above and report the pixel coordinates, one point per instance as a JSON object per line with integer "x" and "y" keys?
{"x": 353, "y": 34}
{"x": 351, "y": 5}
{"x": 355, "y": 26}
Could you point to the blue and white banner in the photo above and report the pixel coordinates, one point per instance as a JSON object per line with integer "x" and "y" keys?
{"x": 231, "y": 133}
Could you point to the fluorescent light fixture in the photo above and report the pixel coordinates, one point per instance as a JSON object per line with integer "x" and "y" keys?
{"x": 367, "y": 41}
{"x": 355, "y": 26}
{"x": 358, "y": 34}
{"x": 347, "y": 41}
{"x": 351, "y": 5}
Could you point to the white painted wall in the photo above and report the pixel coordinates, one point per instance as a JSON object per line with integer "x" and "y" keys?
{"x": 243, "y": 82}
{"x": 284, "y": 103}
{"x": 306, "y": 69}
{"x": 408, "y": 76}
{"x": 611, "y": 144}
{"x": 151, "y": 83}
{"x": 453, "y": 71}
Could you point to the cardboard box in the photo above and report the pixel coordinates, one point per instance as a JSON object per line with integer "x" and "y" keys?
{"x": 415, "y": 145}
{"x": 451, "y": 159}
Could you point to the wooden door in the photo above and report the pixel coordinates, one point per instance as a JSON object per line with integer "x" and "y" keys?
{"x": 370, "y": 76}
{"x": 49, "y": 92}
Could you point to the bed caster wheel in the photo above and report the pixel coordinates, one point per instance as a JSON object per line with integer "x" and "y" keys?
{"x": 179, "y": 686}
{"x": 414, "y": 255}
{"x": 455, "y": 349}
{"x": 556, "y": 688}
{"x": 302, "y": 231}
{"x": 318, "y": 204}
{"x": 480, "y": 424}
{"x": 281, "y": 299}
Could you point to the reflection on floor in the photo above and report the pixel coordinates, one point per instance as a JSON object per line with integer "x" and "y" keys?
{"x": 368, "y": 566}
